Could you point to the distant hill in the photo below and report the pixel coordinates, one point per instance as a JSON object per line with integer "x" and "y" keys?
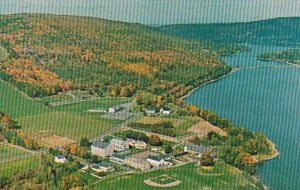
{"x": 279, "y": 31}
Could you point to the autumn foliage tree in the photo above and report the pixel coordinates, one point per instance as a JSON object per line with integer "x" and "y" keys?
{"x": 193, "y": 109}
{"x": 155, "y": 140}
{"x": 207, "y": 159}
{"x": 73, "y": 149}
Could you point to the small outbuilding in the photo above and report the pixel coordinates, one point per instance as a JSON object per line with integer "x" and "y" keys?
{"x": 151, "y": 111}
{"x": 61, "y": 159}
{"x": 165, "y": 111}
{"x": 114, "y": 109}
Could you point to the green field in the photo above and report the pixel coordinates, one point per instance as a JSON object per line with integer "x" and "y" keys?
{"x": 34, "y": 116}
{"x": 7, "y": 152}
{"x": 83, "y": 107}
{"x": 67, "y": 124}
{"x": 86, "y": 177}
{"x": 220, "y": 177}
{"x": 181, "y": 124}
{"x": 16, "y": 104}
{"x": 9, "y": 169}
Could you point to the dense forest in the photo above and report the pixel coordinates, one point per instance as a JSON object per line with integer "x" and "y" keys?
{"x": 43, "y": 55}
{"x": 287, "y": 56}
{"x": 258, "y": 32}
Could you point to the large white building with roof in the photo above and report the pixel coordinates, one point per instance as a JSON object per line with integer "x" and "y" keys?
{"x": 119, "y": 145}
{"x": 101, "y": 149}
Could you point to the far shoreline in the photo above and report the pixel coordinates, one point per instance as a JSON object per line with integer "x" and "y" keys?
{"x": 279, "y": 61}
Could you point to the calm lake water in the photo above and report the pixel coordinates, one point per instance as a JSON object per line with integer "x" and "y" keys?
{"x": 265, "y": 100}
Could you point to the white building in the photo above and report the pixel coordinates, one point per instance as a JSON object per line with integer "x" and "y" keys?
{"x": 158, "y": 161}
{"x": 131, "y": 142}
{"x": 165, "y": 111}
{"x": 119, "y": 145}
{"x": 114, "y": 109}
{"x": 140, "y": 145}
{"x": 151, "y": 111}
{"x": 102, "y": 167}
{"x": 61, "y": 159}
{"x": 101, "y": 149}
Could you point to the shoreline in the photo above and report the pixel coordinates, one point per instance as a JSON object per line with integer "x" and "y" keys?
{"x": 208, "y": 82}
{"x": 279, "y": 61}
{"x": 268, "y": 157}
{"x": 259, "y": 158}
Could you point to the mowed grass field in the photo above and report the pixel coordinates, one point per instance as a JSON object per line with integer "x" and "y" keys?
{"x": 34, "y": 116}
{"x": 7, "y": 152}
{"x": 221, "y": 176}
{"x": 181, "y": 123}
{"x": 8, "y": 169}
{"x": 83, "y": 107}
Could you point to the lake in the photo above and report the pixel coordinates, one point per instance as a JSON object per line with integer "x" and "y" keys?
{"x": 265, "y": 100}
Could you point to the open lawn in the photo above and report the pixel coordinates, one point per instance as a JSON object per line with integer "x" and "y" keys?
{"x": 35, "y": 117}
{"x": 191, "y": 177}
{"x": 84, "y": 107}
{"x": 66, "y": 124}
{"x": 204, "y": 127}
{"x": 7, "y": 152}
{"x": 86, "y": 177}
{"x": 8, "y": 169}
{"x": 16, "y": 104}
{"x": 181, "y": 124}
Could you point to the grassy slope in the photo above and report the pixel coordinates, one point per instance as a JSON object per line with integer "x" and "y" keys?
{"x": 191, "y": 177}
{"x": 7, "y": 152}
{"x": 280, "y": 31}
{"x": 8, "y": 169}
{"x": 33, "y": 116}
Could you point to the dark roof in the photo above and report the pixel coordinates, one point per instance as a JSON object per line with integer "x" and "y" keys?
{"x": 122, "y": 157}
{"x": 101, "y": 164}
{"x": 60, "y": 156}
{"x": 156, "y": 158}
{"x": 100, "y": 144}
{"x": 166, "y": 109}
{"x": 199, "y": 149}
{"x": 151, "y": 108}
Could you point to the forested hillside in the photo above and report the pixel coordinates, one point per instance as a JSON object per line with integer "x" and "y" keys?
{"x": 46, "y": 54}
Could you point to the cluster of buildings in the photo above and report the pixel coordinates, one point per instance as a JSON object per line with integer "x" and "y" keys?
{"x": 106, "y": 149}
{"x": 116, "y": 149}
